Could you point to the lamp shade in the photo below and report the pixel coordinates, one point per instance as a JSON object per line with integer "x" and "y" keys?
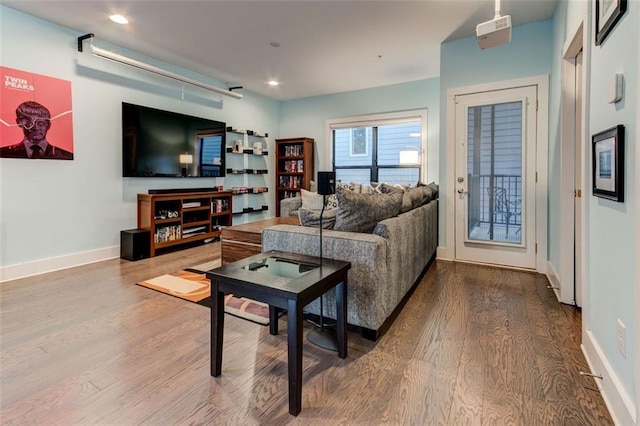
{"x": 186, "y": 158}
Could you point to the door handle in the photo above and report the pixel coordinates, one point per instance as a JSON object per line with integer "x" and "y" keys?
{"x": 462, "y": 191}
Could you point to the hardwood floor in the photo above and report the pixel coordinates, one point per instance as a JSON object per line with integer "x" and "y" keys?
{"x": 474, "y": 345}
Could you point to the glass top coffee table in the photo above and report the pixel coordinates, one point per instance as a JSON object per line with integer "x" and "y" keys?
{"x": 284, "y": 281}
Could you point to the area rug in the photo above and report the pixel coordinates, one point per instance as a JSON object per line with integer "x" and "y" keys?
{"x": 192, "y": 284}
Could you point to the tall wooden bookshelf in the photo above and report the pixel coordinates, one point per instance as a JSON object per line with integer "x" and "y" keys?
{"x": 294, "y": 167}
{"x": 181, "y": 218}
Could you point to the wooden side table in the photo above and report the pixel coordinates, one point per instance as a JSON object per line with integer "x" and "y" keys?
{"x": 240, "y": 241}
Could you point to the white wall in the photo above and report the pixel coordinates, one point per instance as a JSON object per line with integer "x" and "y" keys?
{"x": 61, "y": 213}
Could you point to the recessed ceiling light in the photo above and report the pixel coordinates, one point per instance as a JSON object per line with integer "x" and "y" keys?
{"x": 273, "y": 83}
{"x": 119, "y": 19}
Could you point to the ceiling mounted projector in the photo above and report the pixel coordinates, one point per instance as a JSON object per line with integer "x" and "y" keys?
{"x": 495, "y": 32}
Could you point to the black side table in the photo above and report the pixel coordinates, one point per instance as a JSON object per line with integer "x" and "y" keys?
{"x": 285, "y": 281}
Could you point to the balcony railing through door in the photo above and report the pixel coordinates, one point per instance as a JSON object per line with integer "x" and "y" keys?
{"x": 495, "y": 212}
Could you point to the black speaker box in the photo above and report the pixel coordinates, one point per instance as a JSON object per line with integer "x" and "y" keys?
{"x": 134, "y": 244}
{"x": 326, "y": 183}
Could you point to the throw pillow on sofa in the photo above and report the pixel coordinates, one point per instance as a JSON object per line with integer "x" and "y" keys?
{"x": 430, "y": 190}
{"x": 412, "y": 197}
{"x": 314, "y": 201}
{"x": 361, "y": 212}
{"x": 311, "y": 200}
{"x": 312, "y": 218}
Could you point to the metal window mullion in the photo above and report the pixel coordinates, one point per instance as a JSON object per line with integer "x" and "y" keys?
{"x": 374, "y": 154}
{"x": 333, "y": 157}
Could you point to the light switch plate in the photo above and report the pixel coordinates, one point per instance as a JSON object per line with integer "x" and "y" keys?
{"x": 615, "y": 88}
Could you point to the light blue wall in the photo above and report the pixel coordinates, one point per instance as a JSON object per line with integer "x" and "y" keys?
{"x": 308, "y": 116}
{"x": 462, "y": 63}
{"x": 611, "y": 226}
{"x": 553, "y": 220}
{"x": 57, "y": 208}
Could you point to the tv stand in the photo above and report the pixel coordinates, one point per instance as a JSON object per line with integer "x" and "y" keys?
{"x": 180, "y": 218}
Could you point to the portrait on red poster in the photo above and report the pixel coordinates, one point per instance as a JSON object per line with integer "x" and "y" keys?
{"x": 36, "y": 120}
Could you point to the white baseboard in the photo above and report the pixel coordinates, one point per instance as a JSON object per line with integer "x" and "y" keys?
{"x": 552, "y": 275}
{"x": 620, "y": 405}
{"x": 27, "y": 269}
{"x": 442, "y": 253}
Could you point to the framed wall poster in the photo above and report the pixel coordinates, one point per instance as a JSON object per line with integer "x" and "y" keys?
{"x": 36, "y": 120}
{"x": 608, "y": 163}
{"x": 608, "y": 13}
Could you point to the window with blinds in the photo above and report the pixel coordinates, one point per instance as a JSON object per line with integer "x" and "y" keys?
{"x": 384, "y": 148}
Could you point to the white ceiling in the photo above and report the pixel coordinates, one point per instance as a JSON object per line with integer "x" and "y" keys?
{"x": 325, "y": 46}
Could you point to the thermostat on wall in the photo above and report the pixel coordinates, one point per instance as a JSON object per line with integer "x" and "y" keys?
{"x": 615, "y": 88}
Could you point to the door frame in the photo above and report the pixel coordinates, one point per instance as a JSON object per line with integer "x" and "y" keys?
{"x": 499, "y": 252}
{"x": 542, "y": 148}
{"x": 565, "y": 291}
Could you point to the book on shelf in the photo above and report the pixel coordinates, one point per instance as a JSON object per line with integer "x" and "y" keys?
{"x": 167, "y": 233}
{"x": 290, "y": 182}
{"x": 239, "y": 189}
{"x": 220, "y": 206}
{"x": 293, "y": 150}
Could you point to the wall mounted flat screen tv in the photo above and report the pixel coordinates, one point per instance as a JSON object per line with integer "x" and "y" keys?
{"x": 158, "y": 143}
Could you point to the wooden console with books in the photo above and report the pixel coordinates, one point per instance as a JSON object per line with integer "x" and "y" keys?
{"x": 180, "y": 218}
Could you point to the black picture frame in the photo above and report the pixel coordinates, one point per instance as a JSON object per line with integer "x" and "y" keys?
{"x": 607, "y": 162}
{"x": 608, "y": 13}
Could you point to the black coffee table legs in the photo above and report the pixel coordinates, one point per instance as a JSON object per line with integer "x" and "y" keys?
{"x": 294, "y": 342}
{"x": 341, "y": 318}
{"x": 217, "y": 329}
{"x": 294, "y": 336}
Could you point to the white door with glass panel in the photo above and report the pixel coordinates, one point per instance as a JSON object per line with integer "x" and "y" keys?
{"x": 495, "y": 177}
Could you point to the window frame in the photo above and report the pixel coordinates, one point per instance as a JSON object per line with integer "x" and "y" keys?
{"x": 377, "y": 120}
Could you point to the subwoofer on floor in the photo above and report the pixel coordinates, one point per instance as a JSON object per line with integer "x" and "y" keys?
{"x": 134, "y": 244}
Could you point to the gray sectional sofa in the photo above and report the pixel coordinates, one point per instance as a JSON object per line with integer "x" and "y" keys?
{"x": 385, "y": 264}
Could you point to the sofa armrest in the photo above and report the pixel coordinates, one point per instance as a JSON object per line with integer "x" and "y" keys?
{"x": 290, "y": 206}
{"x": 369, "y": 285}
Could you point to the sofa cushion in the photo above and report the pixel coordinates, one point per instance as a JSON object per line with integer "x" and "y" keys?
{"x": 332, "y": 202}
{"x": 385, "y": 188}
{"x": 430, "y": 190}
{"x": 435, "y": 188}
{"x": 311, "y": 200}
{"x": 406, "y": 204}
{"x": 312, "y": 218}
{"x": 361, "y": 212}
{"x": 355, "y": 187}
{"x": 417, "y": 196}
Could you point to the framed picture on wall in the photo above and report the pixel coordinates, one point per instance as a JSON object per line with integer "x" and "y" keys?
{"x": 608, "y": 13}
{"x": 608, "y": 163}
{"x": 36, "y": 116}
